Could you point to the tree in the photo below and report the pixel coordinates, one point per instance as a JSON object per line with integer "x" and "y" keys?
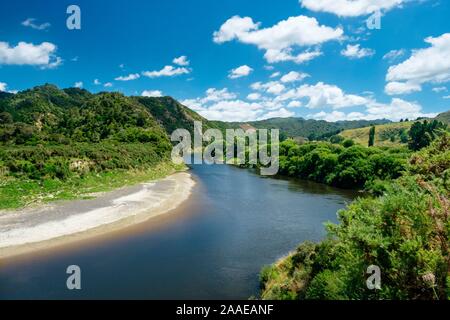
{"x": 348, "y": 143}
{"x": 336, "y": 139}
{"x": 372, "y": 136}
{"x": 422, "y": 134}
{"x": 5, "y": 117}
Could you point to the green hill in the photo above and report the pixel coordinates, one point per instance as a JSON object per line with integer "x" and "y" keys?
{"x": 59, "y": 144}
{"x": 444, "y": 117}
{"x": 389, "y": 134}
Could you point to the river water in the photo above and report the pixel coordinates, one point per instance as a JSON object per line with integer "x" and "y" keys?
{"x": 211, "y": 247}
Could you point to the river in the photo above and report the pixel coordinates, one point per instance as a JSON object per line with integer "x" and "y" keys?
{"x": 211, "y": 247}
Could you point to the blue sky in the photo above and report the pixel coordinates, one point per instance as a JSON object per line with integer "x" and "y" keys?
{"x": 240, "y": 60}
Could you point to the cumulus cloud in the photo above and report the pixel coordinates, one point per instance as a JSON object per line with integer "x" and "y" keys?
{"x": 30, "y": 22}
{"x": 294, "y": 104}
{"x": 273, "y": 87}
{"x": 239, "y": 72}
{"x": 356, "y": 52}
{"x": 224, "y": 105}
{"x": 78, "y": 84}
{"x": 431, "y": 64}
{"x": 4, "y": 88}
{"x": 97, "y": 82}
{"x": 254, "y": 96}
{"x": 293, "y": 76}
{"x": 395, "y": 110}
{"x": 152, "y": 93}
{"x": 395, "y": 88}
{"x": 108, "y": 85}
{"x": 280, "y": 40}
{"x": 129, "y": 77}
{"x": 351, "y": 8}
{"x": 42, "y": 55}
{"x": 167, "y": 71}
{"x": 324, "y": 95}
{"x": 181, "y": 61}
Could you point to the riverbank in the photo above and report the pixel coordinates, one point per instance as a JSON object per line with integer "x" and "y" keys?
{"x": 35, "y": 228}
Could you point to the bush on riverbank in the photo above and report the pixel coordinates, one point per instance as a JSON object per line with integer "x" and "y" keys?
{"x": 405, "y": 232}
{"x": 334, "y": 164}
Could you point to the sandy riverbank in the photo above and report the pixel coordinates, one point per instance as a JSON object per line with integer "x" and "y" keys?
{"x": 37, "y": 228}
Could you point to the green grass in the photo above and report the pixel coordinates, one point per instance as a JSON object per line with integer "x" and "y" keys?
{"x": 19, "y": 193}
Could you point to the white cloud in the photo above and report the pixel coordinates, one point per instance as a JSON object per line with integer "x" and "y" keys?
{"x": 395, "y": 88}
{"x": 394, "y": 54}
{"x": 356, "y": 52}
{"x": 30, "y": 23}
{"x": 273, "y": 87}
{"x": 446, "y": 97}
{"x": 78, "y": 84}
{"x": 231, "y": 110}
{"x": 279, "y": 40}
{"x": 213, "y": 94}
{"x": 167, "y": 71}
{"x": 181, "y": 61}
{"x": 276, "y": 88}
{"x": 224, "y": 105}
{"x": 24, "y": 53}
{"x": 431, "y": 64}
{"x": 439, "y": 89}
{"x": 275, "y": 74}
{"x": 254, "y": 96}
{"x": 239, "y": 72}
{"x": 108, "y": 85}
{"x": 4, "y": 88}
{"x": 294, "y": 104}
{"x": 324, "y": 95}
{"x": 152, "y": 93}
{"x": 351, "y": 8}
{"x": 293, "y": 76}
{"x": 97, "y": 82}
{"x": 132, "y": 76}
{"x": 397, "y": 109}
{"x": 273, "y": 56}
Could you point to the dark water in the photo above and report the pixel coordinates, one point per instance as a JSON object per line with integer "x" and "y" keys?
{"x": 210, "y": 248}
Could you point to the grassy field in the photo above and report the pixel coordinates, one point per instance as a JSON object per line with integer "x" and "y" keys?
{"x": 18, "y": 193}
{"x": 383, "y": 134}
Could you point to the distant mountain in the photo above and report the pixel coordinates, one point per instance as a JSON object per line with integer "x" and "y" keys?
{"x": 311, "y": 129}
